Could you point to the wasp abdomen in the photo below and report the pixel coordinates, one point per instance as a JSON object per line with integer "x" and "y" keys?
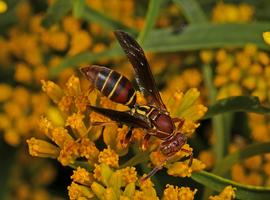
{"x": 111, "y": 84}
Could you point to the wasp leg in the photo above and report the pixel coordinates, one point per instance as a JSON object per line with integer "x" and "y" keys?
{"x": 151, "y": 173}
{"x": 102, "y": 123}
{"x": 190, "y": 156}
{"x": 127, "y": 138}
{"x": 181, "y": 122}
{"x": 145, "y": 142}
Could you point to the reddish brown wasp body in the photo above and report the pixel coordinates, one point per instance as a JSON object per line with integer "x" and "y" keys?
{"x": 154, "y": 117}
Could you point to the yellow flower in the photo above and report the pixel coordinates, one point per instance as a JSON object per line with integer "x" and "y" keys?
{"x": 65, "y": 104}
{"x": 61, "y": 136}
{"x": 206, "y": 56}
{"x": 129, "y": 175}
{"x": 3, "y": 6}
{"x": 108, "y": 157}
{"x": 52, "y": 90}
{"x": 70, "y": 24}
{"x": 12, "y": 137}
{"x": 266, "y": 37}
{"x": 225, "y": 12}
{"x": 5, "y": 92}
{"x": 41, "y": 148}
{"x": 81, "y": 176}
{"x": 76, "y": 192}
{"x": 75, "y": 121}
{"x": 174, "y": 192}
{"x": 208, "y": 158}
{"x": 69, "y": 153}
{"x": 73, "y": 87}
{"x": 23, "y": 73}
{"x": 228, "y": 193}
{"x": 46, "y": 126}
{"x": 80, "y": 42}
{"x": 88, "y": 150}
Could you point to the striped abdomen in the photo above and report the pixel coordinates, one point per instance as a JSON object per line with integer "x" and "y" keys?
{"x": 111, "y": 84}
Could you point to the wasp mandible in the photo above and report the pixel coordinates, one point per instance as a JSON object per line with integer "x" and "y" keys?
{"x": 153, "y": 118}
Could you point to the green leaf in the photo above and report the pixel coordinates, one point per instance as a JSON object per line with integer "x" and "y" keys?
{"x": 91, "y": 15}
{"x": 151, "y": 16}
{"x": 78, "y": 8}
{"x": 217, "y": 183}
{"x": 55, "y": 12}
{"x": 194, "y": 37}
{"x": 206, "y": 35}
{"x": 236, "y": 104}
{"x": 192, "y": 11}
{"x": 252, "y": 150}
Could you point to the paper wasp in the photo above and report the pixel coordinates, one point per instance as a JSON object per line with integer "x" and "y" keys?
{"x": 154, "y": 117}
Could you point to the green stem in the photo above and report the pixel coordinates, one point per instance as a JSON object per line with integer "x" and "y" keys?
{"x": 222, "y": 134}
{"x": 222, "y": 138}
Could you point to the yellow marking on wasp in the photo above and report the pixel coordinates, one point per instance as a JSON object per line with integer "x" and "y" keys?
{"x": 141, "y": 112}
{"x": 104, "y": 84}
{"x": 149, "y": 113}
{"x": 115, "y": 86}
{"x": 131, "y": 99}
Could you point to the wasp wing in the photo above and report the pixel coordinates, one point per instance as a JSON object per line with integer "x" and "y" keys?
{"x": 122, "y": 117}
{"x": 144, "y": 76}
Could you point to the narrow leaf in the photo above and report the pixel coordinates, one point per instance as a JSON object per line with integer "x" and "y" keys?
{"x": 235, "y": 104}
{"x": 192, "y": 11}
{"x": 91, "y": 15}
{"x": 151, "y": 16}
{"x": 78, "y": 8}
{"x": 218, "y": 183}
{"x": 252, "y": 150}
{"x": 194, "y": 37}
{"x": 56, "y": 11}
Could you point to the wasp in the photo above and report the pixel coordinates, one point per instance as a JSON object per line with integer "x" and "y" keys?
{"x": 153, "y": 118}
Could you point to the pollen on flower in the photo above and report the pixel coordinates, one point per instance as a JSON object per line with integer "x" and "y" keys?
{"x": 129, "y": 175}
{"x": 97, "y": 172}
{"x": 82, "y": 176}
{"x": 61, "y": 136}
{"x": 180, "y": 169}
{"x": 81, "y": 102}
{"x": 174, "y": 192}
{"x": 65, "y": 104}
{"x": 76, "y": 191}
{"x": 42, "y": 148}
{"x": 75, "y": 121}
{"x": 52, "y": 90}
{"x": 157, "y": 158}
{"x": 228, "y": 193}
{"x": 88, "y": 150}
{"x": 46, "y": 126}
{"x": 69, "y": 153}
{"x": 109, "y": 157}
{"x": 189, "y": 127}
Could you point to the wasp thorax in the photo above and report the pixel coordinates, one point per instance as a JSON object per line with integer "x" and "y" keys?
{"x": 164, "y": 123}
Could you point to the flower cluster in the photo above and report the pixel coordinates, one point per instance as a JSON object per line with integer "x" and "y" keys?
{"x": 73, "y": 140}
{"x": 227, "y": 12}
